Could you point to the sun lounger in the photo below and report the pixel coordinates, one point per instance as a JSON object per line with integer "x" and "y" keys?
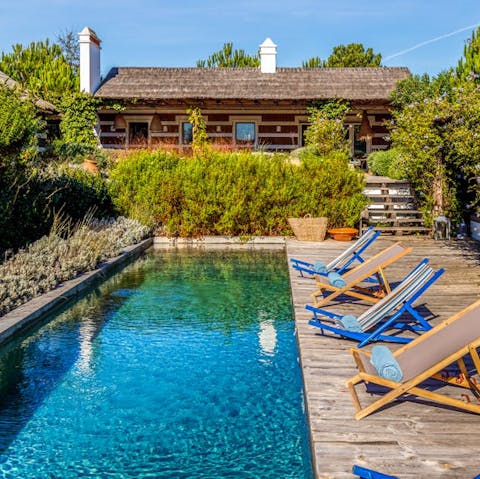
{"x": 426, "y": 357}
{"x": 342, "y": 262}
{"x": 349, "y": 283}
{"x": 364, "y": 473}
{"x": 384, "y": 315}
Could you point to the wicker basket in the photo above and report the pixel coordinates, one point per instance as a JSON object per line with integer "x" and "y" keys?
{"x": 309, "y": 229}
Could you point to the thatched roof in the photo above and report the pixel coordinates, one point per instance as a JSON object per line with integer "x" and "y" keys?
{"x": 43, "y": 105}
{"x": 250, "y": 83}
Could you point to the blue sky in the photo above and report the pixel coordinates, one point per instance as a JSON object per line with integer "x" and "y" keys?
{"x": 177, "y": 33}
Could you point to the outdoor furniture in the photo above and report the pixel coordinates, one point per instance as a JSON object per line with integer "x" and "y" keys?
{"x": 386, "y": 313}
{"x": 342, "y": 262}
{"x": 349, "y": 283}
{"x": 425, "y": 358}
{"x": 364, "y": 473}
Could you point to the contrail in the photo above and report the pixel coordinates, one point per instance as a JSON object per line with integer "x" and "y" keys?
{"x": 432, "y": 40}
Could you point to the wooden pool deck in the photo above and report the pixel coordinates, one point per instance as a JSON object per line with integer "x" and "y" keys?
{"x": 408, "y": 439}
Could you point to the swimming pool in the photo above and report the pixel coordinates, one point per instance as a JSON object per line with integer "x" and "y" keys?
{"x": 184, "y": 365}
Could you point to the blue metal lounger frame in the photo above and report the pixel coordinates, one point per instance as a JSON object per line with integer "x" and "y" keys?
{"x": 396, "y": 311}
{"x": 364, "y": 473}
{"x": 355, "y": 255}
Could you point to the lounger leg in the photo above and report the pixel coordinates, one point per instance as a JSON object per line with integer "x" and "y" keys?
{"x": 353, "y": 392}
{"x": 470, "y": 384}
{"x": 476, "y": 359}
{"x": 384, "y": 284}
{"x": 441, "y": 399}
{"x": 383, "y": 401}
{"x": 418, "y": 317}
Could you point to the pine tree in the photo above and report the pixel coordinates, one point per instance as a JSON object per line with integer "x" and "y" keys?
{"x": 228, "y": 57}
{"x": 469, "y": 64}
{"x": 68, "y": 42}
{"x": 314, "y": 62}
{"x": 40, "y": 68}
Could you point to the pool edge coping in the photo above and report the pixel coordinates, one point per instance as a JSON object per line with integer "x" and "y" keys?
{"x": 308, "y": 418}
{"x": 220, "y": 240}
{"x": 37, "y": 308}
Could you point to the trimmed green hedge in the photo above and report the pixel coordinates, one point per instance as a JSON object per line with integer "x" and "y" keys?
{"x": 240, "y": 193}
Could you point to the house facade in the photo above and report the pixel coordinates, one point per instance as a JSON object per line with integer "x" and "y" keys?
{"x": 263, "y": 107}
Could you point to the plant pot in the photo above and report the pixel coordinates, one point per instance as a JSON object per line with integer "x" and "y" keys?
{"x": 90, "y": 166}
{"x": 343, "y": 234}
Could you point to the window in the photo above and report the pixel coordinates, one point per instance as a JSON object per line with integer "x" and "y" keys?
{"x": 137, "y": 134}
{"x": 245, "y": 133}
{"x": 187, "y": 133}
{"x": 303, "y": 128}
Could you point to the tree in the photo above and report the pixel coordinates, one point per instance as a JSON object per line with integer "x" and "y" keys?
{"x": 353, "y": 55}
{"x": 68, "y": 42}
{"x": 469, "y": 64}
{"x": 41, "y": 69}
{"x": 19, "y": 125}
{"x": 420, "y": 87}
{"x": 325, "y": 133}
{"x": 314, "y": 62}
{"x": 228, "y": 57}
{"x": 440, "y": 146}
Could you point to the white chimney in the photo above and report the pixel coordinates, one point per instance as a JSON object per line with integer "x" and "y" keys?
{"x": 89, "y": 60}
{"x": 268, "y": 56}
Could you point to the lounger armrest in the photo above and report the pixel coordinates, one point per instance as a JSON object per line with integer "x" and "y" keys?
{"x": 300, "y": 262}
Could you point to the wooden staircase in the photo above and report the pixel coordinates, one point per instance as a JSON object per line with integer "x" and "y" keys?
{"x": 392, "y": 207}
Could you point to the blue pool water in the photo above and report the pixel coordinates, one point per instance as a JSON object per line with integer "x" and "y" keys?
{"x": 184, "y": 365}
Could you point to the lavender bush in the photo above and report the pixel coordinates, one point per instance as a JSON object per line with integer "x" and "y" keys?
{"x": 62, "y": 255}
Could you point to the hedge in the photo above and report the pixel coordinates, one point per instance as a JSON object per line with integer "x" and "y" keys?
{"x": 239, "y": 193}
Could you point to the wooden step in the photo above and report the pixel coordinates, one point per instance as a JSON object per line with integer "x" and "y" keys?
{"x": 387, "y": 195}
{"x": 388, "y": 213}
{"x": 376, "y": 180}
{"x": 392, "y": 207}
{"x": 409, "y": 212}
{"x": 375, "y": 221}
{"x": 389, "y": 207}
{"x": 419, "y": 229}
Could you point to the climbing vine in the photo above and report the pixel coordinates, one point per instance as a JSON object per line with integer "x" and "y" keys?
{"x": 79, "y": 118}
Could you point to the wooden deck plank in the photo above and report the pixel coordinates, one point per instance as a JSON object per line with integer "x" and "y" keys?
{"x": 408, "y": 439}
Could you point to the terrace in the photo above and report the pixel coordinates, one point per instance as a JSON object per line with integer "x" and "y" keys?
{"x": 406, "y": 439}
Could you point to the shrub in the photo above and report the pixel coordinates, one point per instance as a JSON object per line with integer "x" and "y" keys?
{"x": 440, "y": 146}
{"x": 54, "y": 258}
{"x": 240, "y": 193}
{"x": 29, "y": 199}
{"x": 386, "y": 163}
{"x": 19, "y": 125}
